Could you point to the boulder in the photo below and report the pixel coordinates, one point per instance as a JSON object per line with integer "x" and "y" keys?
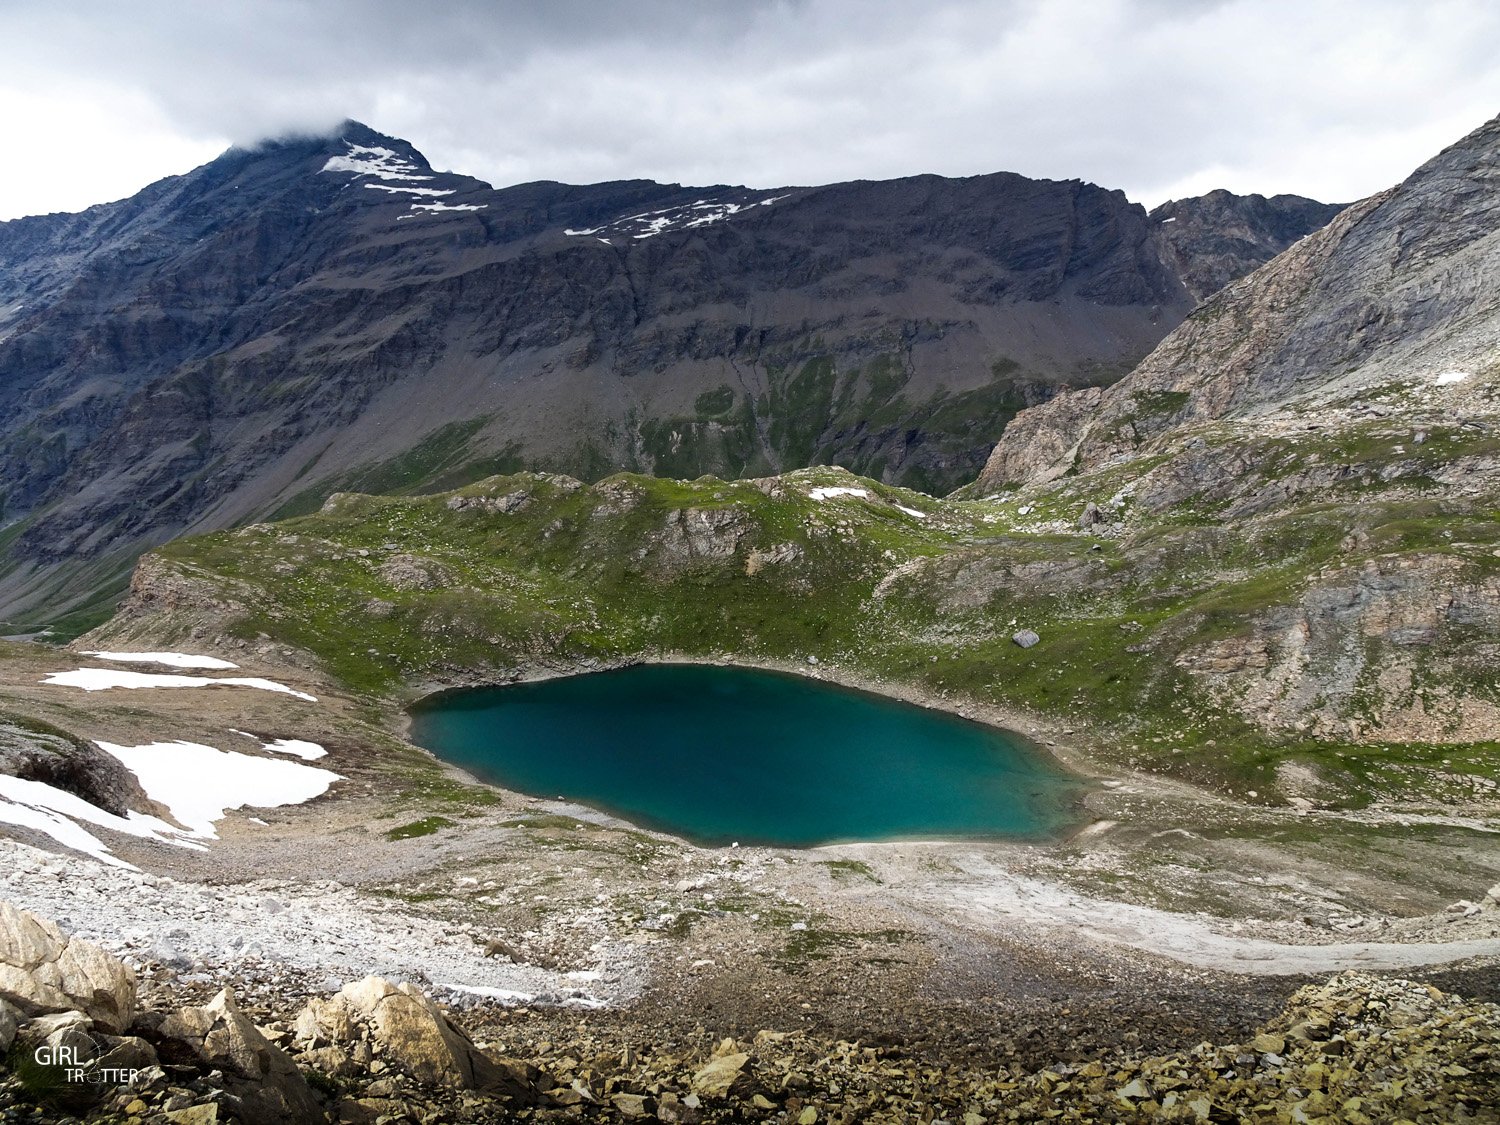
{"x": 632, "y": 1105}
{"x": 323, "y": 1022}
{"x": 728, "y": 1076}
{"x": 332, "y": 1060}
{"x": 1025, "y": 637}
{"x": 1092, "y": 515}
{"x": 43, "y": 971}
{"x": 64, "y": 1032}
{"x": 414, "y": 1032}
{"x": 670, "y": 1110}
{"x": 124, "y": 1053}
{"x": 267, "y": 1086}
{"x": 416, "y": 1036}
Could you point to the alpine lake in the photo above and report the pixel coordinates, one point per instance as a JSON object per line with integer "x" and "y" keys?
{"x": 722, "y": 755}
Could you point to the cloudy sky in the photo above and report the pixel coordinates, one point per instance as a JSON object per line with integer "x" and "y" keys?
{"x": 1163, "y": 98}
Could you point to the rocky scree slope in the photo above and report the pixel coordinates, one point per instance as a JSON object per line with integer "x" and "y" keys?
{"x": 1163, "y": 631}
{"x": 325, "y": 313}
{"x": 1357, "y": 1048}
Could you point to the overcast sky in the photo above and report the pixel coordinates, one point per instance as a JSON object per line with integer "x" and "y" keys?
{"x": 1164, "y": 98}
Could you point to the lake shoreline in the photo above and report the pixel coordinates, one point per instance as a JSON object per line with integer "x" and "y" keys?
{"x": 775, "y": 759}
{"x": 669, "y": 925}
{"x": 1045, "y": 736}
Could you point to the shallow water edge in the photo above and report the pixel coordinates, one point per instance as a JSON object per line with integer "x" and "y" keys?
{"x": 1005, "y": 784}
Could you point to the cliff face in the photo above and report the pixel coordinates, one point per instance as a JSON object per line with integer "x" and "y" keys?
{"x": 1217, "y": 238}
{"x": 1326, "y": 428}
{"x": 1398, "y": 296}
{"x": 332, "y": 312}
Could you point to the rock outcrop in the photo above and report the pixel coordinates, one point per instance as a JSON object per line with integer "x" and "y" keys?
{"x": 33, "y": 753}
{"x": 42, "y": 970}
{"x": 1220, "y": 237}
{"x": 1400, "y": 291}
{"x": 264, "y": 1082}
{"x": 1379, "y": 625}
{"x": 415, "y": 1034}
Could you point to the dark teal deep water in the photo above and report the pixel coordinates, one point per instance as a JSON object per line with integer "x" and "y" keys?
{"x": 722, "y": 754}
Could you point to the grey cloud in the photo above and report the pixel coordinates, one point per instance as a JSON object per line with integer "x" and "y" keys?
{"x": 1154, "y": 96}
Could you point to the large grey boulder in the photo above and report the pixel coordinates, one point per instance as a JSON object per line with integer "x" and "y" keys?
{"x": 42, "y": 970}
{"x": 265, "y": 1082}
{"x": 415, "y": 1034}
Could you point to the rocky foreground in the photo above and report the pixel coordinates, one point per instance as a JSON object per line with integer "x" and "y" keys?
{"x": 81, "y": 1045}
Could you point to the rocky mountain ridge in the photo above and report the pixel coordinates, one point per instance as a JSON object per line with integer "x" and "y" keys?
{"x": 323, "y": 313}
{"x": 1391, "y": 310}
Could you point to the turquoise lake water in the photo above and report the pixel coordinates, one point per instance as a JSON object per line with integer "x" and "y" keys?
{"x": 720, "y": 754}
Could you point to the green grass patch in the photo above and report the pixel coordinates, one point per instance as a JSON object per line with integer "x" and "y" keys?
{"x": 424, "y": 827}
{"x": 849, "y": 869}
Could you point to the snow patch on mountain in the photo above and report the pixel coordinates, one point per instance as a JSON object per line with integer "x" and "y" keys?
{"x": 418, "y": 209}
{"x": 199, "y": 784}
{"x": 699, "y": 213}
{"x": 102, "y": 679}
{"x": 373, "y": 160}
{"x": 411, "y": 190}
{"x": 170, "y": 659}
{"x": 829, "y": 493}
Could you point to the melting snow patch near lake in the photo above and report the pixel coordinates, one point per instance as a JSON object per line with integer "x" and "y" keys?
{"x": 102, "y": 679}
{"x": 57, "y": 813}
{"x": 828, "y": 493}
{"x": 199, "y": 784}
{"x": 307, "y": 751}
{"x": 170, "y": 659}
{"x": 1448, "y": 377}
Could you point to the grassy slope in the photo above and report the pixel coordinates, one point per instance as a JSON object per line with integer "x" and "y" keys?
{"x": 394, "y": 592}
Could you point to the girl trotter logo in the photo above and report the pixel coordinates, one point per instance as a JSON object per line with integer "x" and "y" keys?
{"x": 76, "y": 1058}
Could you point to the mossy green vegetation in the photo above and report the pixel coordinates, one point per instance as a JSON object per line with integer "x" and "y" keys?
{"x": 1169, "y": 632}
{"x": 851, "y": 869}
{"x": 424, "y": 827}
{"x": 442, "y": 459}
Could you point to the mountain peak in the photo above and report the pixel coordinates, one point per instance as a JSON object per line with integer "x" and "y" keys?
{"x": 335, "y": 142}
{"x": 241, "y": 331}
